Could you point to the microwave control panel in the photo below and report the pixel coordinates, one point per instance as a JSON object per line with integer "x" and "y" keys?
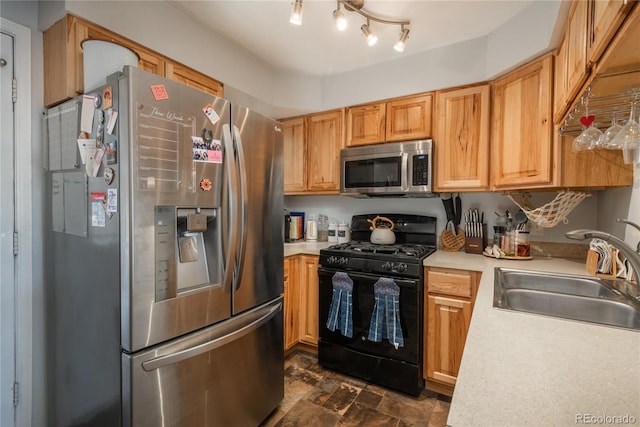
{"x": 420, "y": 169}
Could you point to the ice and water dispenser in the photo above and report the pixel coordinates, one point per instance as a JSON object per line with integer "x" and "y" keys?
{"x": 188, "y": 250}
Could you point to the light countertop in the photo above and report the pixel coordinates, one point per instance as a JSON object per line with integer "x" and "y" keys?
{"x": 526, "y": 369}
{"x": 307, "y": 248}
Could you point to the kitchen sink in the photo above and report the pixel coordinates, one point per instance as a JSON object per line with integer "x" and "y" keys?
{"x": 588, "y": 299}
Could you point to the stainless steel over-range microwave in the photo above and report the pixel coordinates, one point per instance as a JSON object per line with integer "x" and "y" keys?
{"x": 394, "y": 169}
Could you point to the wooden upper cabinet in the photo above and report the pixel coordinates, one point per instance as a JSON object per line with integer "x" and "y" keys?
{"x": 193, "y": 78}
{"x": 409, "y": 118}
{"x": 63, "y": 60}
{"x": 571, "y": 59}
{"x": 294, "y": 155}
{"x": 461, "y": 143}
{"x": 324, "y": 142}
{"x": 522, "y": 146}
{"x": 365, "y": 124}
{"x": 606, "y": 16}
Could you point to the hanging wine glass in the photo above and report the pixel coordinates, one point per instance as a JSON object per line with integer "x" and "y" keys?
{"x": 608, "y": 135}
{"x": 588, "y": 139}
{"x": 628, "y": 137}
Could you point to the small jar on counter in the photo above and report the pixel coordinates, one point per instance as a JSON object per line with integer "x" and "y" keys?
{"x": 344, "y": 234}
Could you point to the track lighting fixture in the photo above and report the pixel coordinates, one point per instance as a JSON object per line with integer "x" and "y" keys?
{"x": 371, "y": 37}
{"x": 402, "y": 41}
{"x": 296, "y": 13}
{"x": 340, "y": 19}
{"x": 357, "y": 6}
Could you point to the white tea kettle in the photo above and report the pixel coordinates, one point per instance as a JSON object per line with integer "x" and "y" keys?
{"x": 383, "y": 235}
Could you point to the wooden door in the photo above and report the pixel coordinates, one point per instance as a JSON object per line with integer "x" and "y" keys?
{"x": 365, "y": 124}
{"x": 193, "y": 78}
{"x": 309, "y": 300}
{"x": 561, "y": 99}
{"x": 576, "y": 47}
{"x": 291, "y": 302}
{"x": 522, "y": 146}
{"x": 447, "y": 324}
{"x": 324, "y": 141}
{"x": 294, "y": 155}
{"x": 462, "y": 139}
{"x": 409, "y": 118}
{"x": 606, "y": 16}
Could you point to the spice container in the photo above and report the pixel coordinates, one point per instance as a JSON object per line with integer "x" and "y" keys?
{"x": 343, "y": 233}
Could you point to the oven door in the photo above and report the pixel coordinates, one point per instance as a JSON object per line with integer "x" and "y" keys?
{"x": 411, "y": 309}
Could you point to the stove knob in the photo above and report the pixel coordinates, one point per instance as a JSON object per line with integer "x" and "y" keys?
{"x": 387, "y": 266}
{"x": 344, "y": 261}
{"x": 332, "y": 259}
{"x": 401, "y": 267}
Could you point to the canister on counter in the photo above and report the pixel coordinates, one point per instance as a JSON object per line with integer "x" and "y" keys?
{"x": 332, "y": 233}
{"x": 343, "y": 233}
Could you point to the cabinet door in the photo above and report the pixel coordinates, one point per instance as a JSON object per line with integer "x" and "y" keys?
{"x": 294, "y": 155}
{"x": 62, "y": 62}
{"x": 576, "y": 47}
{"x": 522, "y": 148}
{"x": 560, "y": 96}
{"x": 365, "y": 124}
{"x": 447, "y": 326}
{"x": 324, "y": 141}
{"x": 193, "y": 78}
{"x": 291, "y": 302}
{"x": 606, "y": 17}
{"x": 462, "y": 139}
{"x": 409, "y": 118}
{"x": 309, "y": 300}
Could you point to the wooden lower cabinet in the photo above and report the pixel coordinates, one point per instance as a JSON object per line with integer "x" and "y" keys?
{"x": 309, "y": 299}
{"x": 300, "y": 300}
{"x": 449, "y": 303}
{"x": 291, "y": 302}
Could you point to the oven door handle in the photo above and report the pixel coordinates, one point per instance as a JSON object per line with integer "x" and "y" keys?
{"x": 371, "y": 276}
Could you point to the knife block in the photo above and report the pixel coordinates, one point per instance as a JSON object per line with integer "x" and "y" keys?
{"x": 476, "y": 245}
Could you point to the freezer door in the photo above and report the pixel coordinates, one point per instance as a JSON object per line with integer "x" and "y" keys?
{"x": 230, "y": 374}
{"x": 258, "y": 144}
{"x": 173, "y": 234}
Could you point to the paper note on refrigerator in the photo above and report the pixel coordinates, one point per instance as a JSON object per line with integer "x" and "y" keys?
{"x": 86, "y": 116}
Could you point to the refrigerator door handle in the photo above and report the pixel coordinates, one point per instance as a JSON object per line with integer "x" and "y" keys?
{"x": 242, "y": 171}
{"x": 232, "y": 182}
{"x": 162, "y": 361}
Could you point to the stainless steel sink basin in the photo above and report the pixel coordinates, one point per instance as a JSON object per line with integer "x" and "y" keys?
{"x": 582, "y": 298}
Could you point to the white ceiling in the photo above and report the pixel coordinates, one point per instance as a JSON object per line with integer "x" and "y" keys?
{"x": 317, "y": 48}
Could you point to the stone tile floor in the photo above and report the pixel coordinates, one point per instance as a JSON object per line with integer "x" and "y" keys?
{"x": 314, "y": 396}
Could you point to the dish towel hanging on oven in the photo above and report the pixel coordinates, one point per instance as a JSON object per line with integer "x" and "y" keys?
{"x": 341, "y": 309}
{"x": 385, "y": 320}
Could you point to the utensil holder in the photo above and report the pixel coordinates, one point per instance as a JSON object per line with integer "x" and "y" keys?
{"x": 476, "y": 245}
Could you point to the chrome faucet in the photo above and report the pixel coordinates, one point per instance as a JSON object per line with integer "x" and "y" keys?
{"x": 632, "y": 256}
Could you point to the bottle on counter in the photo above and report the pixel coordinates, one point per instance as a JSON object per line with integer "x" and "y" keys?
{"x": 323, "y": 228}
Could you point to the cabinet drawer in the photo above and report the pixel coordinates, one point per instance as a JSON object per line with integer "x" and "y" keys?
{"x": 449, "y": 282}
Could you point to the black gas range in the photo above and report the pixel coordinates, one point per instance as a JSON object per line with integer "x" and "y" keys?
{"x": 366, "y": 266}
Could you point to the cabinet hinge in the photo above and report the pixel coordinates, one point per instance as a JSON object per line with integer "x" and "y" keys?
{"x": 14, "y": 90}
{"x": 15, "y": 243}
{"x": 16, "y": 393}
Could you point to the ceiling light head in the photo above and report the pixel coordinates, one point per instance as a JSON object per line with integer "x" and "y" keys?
{"x": 296, "y": 13}
{"x": 402, "y": 41}
{"x": 340, "y": 19}
{"x": 371, "y": 37}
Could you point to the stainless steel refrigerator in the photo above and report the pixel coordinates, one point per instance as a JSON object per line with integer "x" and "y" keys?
{"x": 164, "y": 258}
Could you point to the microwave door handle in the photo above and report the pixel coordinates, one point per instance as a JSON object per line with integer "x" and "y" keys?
{"x": 243, "y": 193}
{"x": 405, "y": 172}
{"x": 162, "y": 361}
{"x": 232, "y": 209}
